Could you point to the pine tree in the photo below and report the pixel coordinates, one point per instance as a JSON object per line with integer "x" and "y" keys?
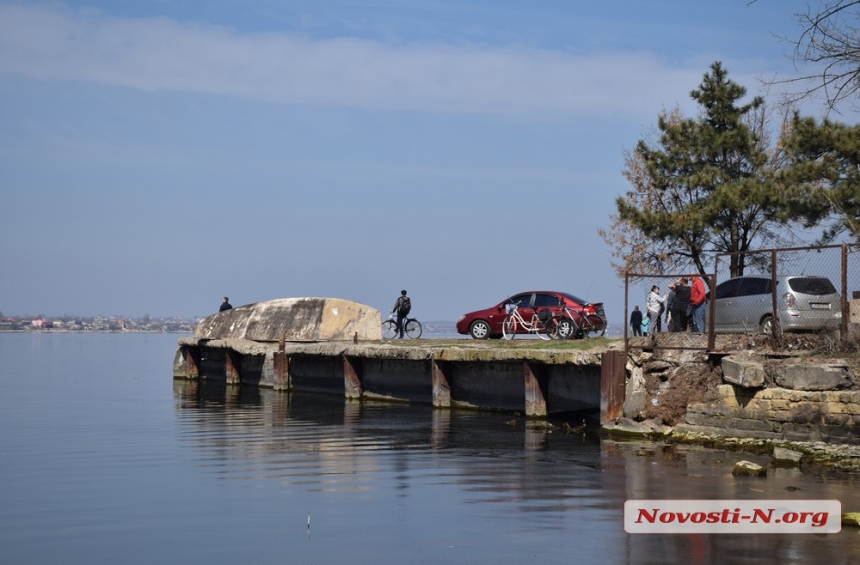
{"x": 824, "y": 174}
{"x": 703, "y": 186}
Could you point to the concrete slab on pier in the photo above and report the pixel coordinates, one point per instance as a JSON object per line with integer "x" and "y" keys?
{"x": 469, "y": 351}
{"x": 295, "y": 319}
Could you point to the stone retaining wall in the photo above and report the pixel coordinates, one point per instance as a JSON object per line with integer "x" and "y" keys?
{"x": 778, "y": 414}
{"x": 787, "y": 400}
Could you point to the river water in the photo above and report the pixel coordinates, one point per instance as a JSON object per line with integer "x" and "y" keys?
{"x": 105, "y": 459}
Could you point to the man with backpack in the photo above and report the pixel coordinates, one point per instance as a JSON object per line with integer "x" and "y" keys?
{"x": 402, "y": 307}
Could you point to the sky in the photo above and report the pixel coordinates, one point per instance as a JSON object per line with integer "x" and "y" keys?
{"x": 157, "y": 155}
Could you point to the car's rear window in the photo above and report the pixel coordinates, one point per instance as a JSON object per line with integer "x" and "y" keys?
{"x": 576, "y": 299}
{"x": 811, "y": 285}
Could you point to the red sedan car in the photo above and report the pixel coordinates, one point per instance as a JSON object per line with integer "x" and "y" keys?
{"x": 487, "y": 323}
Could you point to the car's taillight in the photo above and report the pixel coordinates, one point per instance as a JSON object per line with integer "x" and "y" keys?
{"x": 589, "y": 309}
{"x": 790, "y": 301}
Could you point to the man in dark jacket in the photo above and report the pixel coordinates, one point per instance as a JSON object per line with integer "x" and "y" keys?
{"x": 402, "y": 306}
{"x": 636, "y": 320}
{"x": 680, "y": 305}
{"x": 225, "y": 305}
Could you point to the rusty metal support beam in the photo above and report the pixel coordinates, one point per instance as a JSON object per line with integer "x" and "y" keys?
{"x": 281, "y": 366}
{"x": 191, "y": 357}
{"x": 843, "y": 329}
{"x": 613, "y": 381}
{"x": 441, "y": 383}
{"x": 535, "y": 381}
{"x": 352, "y": 377}
{"x": 232, "y": 366}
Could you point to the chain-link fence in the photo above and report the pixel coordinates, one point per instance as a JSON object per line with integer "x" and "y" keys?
{"x": 802, "y": 290}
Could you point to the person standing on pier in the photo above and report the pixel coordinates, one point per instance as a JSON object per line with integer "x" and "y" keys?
{"x": 697, "y": 304}
{"x": 636, "y": 321}
{"x": 680, "y": 305}
{"x": 402, "y": 306}
{"x": 653, "y": 305}
{"x": 225, "y": 305}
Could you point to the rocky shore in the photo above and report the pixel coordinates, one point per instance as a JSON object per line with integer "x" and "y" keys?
{"x": 800, "y": 403}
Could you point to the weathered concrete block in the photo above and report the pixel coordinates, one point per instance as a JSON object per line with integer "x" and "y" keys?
{"x": 694, "y": 419}
{"x": 759, "y": 405}
{"x": 851, "y": 519}
{"x": 805, "y": 412}
{"x": 743, "y": 372}
{"x": 777, "y": 405}
{"x": 748, "y": 469}
{"x": 636, "y": 397}
{"x": 785, "y": 456}
{"x": 727, "y": 395}
{"x": 813, "y": 377}
{"x": 834, "y": 419}
{"x": 781, "y": 416}
{"x": 298, "y": 319}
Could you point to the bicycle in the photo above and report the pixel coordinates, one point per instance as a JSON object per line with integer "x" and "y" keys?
{"x": 411, "y": 327}
{"x": 543, "y": 328}
{"x": 585, "y": 322}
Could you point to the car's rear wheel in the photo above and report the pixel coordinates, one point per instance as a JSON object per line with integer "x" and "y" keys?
{"x": 479, "y": 329}
{"x": 766, "y": 325}
{"x": 509, "y": 328}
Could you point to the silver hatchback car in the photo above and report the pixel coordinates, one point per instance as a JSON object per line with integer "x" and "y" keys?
{"x": 744, "y": 304}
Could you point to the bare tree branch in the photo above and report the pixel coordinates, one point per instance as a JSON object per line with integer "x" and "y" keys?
{"x": 830, "y": 41}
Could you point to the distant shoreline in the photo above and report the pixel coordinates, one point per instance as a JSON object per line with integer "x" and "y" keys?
{"x": 64, "y": 331}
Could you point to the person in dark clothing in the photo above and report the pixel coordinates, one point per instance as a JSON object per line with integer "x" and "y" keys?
{"x": 636, "y": 320}
{"x": 402, "y": 306}
{"x": 680, "y": 305}
{"x": 225, "y": 305}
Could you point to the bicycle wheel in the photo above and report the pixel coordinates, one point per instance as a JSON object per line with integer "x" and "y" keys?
{"x": 541, "y": 328}
{"x": 509, "y": 327}
{"x": 552, "y": 328}
{"x": 566, "y": 329}
{"x": 413, "y": 328}
{"x": 389, "y": 329}
{"x": 595, "y": 326}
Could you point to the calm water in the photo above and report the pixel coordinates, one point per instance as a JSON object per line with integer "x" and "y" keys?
{"x": 104, "y": 459}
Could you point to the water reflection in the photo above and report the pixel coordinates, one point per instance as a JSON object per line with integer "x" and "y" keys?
{"x": 570, "y": 487}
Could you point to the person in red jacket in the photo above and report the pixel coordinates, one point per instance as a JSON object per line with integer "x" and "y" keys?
{"x": 697, "y": 305}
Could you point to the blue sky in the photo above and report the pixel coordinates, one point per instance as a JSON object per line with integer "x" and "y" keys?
{"x": 156, "y": 155}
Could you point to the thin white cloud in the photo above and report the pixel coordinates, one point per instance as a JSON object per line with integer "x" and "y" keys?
{"x": 158, "y": 54}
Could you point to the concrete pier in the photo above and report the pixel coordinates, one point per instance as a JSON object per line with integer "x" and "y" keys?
{"x": 334, "y": 346}
{"x": 534, "y": 382}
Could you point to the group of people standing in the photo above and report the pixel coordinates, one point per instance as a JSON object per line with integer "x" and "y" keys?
{"x": 684, "y": 306}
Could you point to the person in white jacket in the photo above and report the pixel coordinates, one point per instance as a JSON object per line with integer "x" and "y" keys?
{"x": 653, "y": 304}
